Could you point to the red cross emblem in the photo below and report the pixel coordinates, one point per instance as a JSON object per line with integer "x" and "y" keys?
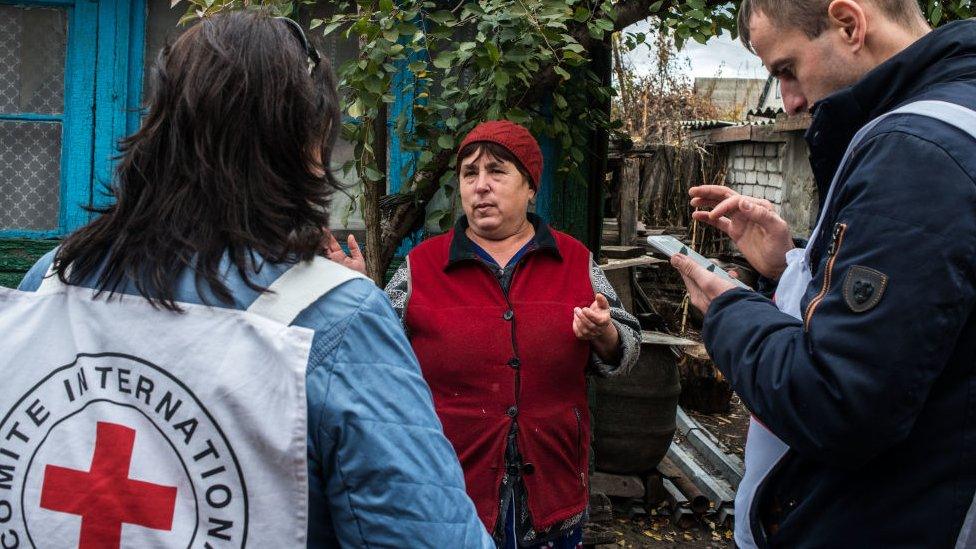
{"x": 105, "y": 496}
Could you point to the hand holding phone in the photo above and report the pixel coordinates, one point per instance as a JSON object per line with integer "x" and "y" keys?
{"x": 669, "y": 246}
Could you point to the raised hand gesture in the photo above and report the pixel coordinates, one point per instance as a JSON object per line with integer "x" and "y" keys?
{"x": 332, "y": 250}
{"x": 752, "y": 224}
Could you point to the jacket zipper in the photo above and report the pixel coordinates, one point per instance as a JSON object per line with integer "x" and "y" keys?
{"x": 579, "y": 446}
{"x": 835, "y": 244}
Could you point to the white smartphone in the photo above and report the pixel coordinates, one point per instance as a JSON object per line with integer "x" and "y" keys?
{"x": 669, "y": 245}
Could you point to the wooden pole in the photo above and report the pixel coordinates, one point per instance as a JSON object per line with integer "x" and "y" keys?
{"x": 629, "y": 196}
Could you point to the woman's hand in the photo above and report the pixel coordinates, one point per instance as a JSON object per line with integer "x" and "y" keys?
{"x": 593, "y": 324}
{"x": 332, "y": 250}
{"x": 594, "y": 321}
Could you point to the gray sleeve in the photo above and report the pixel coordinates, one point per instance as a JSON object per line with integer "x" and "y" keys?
{"x": 627, "y": 327}
{"x": 398, "y": 290}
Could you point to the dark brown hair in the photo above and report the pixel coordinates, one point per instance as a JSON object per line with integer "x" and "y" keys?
{"x": 232, "y": 158}
{"x": 810, "y": 16}
{"x": 494, "y": 151}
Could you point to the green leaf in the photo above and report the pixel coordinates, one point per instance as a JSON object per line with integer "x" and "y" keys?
{"x": 407, "y": 29}
{"x": 443, "y": 17}
{"x": 577, "y": 154}
{"x": 374, "y": 84}
{"x": 435, "y": 216}
{"x": 581, "y": 14}
{"x": 493, "y": 52}
{"x": 502, "y": 79}
{"x": 561, "y": 72}
{"x": 445, "y": 141}
{"x": 373, "y": 174}
{"x": 444, "y": 60}
{"x": 356, "y": 109}
{"x": 446, "y": 222}
{"x": 575, "y": 47}
{"x": 386, "y": 6}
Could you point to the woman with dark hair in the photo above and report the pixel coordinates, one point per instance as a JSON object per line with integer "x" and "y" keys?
{"x": 222, "y": 194}
{"x": 506, "y": 316}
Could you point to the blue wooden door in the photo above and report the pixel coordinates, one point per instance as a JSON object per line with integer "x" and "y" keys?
{"x": 47, "y": 86}
{"x": 70, "y": 75}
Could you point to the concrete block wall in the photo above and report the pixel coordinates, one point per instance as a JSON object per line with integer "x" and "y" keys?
{"x": 756, "y": 169}
{"x": 778, "y": 172}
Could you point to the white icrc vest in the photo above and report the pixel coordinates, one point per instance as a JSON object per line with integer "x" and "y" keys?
{"x": 124, "y": 425}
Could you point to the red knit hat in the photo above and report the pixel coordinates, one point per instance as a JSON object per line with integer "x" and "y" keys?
{"x": 516, "y": 139}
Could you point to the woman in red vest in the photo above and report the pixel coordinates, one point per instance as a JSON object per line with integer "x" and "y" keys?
{"x": 506, "y": 316}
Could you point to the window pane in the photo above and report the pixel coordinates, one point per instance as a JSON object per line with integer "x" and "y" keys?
{"x": 30, "y": 173}
{"x": 32, "y": 51}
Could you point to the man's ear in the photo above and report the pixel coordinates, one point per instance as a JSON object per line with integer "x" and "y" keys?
{"x": 848, "y": 18}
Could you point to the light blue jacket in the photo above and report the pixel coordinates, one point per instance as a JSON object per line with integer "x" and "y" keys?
{"x": 381, "y": 472}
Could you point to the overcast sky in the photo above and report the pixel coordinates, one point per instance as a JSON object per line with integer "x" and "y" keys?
{"x": 721, "y": 56}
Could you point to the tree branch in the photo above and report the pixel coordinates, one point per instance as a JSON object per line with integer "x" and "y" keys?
{"x": 402, "y": 216}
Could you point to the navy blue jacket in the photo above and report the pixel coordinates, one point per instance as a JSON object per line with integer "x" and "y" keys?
{"x": 879, "y": 406}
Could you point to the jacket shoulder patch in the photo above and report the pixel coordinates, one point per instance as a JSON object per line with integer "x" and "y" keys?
{"x": 863, "y": 288}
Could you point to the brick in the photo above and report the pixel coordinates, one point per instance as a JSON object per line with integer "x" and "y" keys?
{"x": 772, "y": 165}
{"x": 751, "y": 178}
{"x": 777, "y": 196}
{"x": 772, "y": 150}
{"x": 776, "y": 180}
{"x": 740, "y": 163}
{"x": 762, "y": 178}
{"x": 750, "y": 163}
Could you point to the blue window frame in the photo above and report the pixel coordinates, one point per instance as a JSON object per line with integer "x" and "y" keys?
{"x": 59, "y": 142}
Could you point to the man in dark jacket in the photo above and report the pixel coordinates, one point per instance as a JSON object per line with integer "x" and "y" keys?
{"x": 870, "y": 384}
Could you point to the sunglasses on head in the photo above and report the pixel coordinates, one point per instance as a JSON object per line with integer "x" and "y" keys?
{"x": 296, "y": 30}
